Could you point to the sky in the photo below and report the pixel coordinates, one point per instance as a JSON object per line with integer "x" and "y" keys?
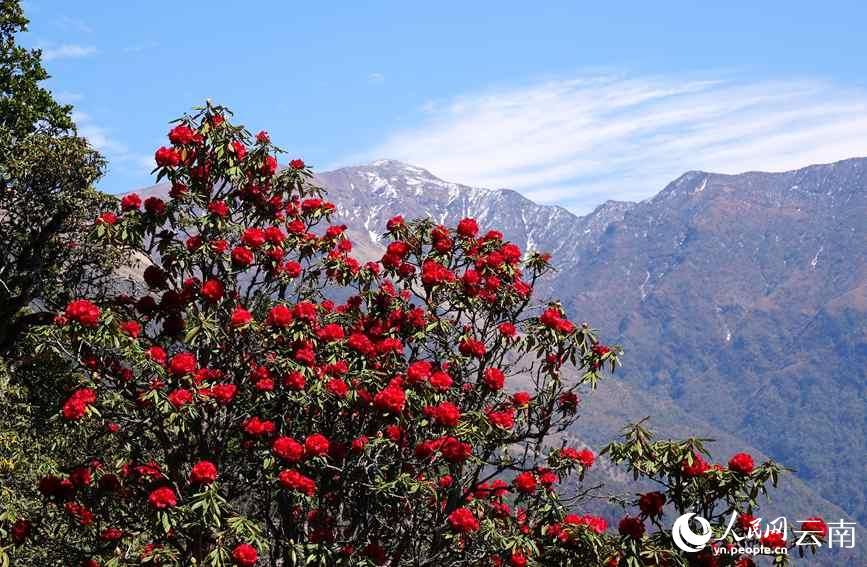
{"x": 571, "y": 103}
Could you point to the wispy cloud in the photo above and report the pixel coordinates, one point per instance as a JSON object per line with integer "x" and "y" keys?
{"x": 582, "y": 140}
{"x": 67, "y": 51}
{"x": 375, "y": 78}
{"x": 119, "y": 155}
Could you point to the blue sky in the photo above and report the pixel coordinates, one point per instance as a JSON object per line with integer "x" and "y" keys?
{"x": 568, "y": 102}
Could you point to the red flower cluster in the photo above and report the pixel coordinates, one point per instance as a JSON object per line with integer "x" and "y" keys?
{"x": 462, "y": 520}
{"x": 742, "y": 463}
{"x": 203, "y": 472}
{"x": 77, "y": 404}
{"x": 162, "y": 498}
{"x": 83, "y": 312}
{"x": 553, "y": 319}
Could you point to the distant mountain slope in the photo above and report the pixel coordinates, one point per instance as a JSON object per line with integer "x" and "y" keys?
{"x": 741, "y": 301}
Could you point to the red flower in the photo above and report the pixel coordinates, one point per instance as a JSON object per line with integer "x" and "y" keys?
{"x": 279, "y": 316}
{"x": 155, "y": 277}
{"x": 294, "y": 480}
{"x": 241, "y": 317}
{"x": 446, "y": 414}
{"x": 242, "y": 257}
{"x": 468, "y": 228}
{"x": 472, "y": 347}
{"x": 183, "y": 363}
{"x": 83, "y": 312}
{"x": 463, "y": 521}
{"x": 131, "y": 328}
{"x": 525, "y": 482}
{"x": 455, "y": 451}
{"x": 288, "y": 449}
{"x": 245, "y": 555}
{"x": 568, "y": 402}
{"x": 317, "y": 445}
{"x": 632, "y": 527}
{"x": 269, "y": 166}
{"x": 585, "y": 457}
{"x": 162, "y": 498}
{"x": 79, "y": 512}
{"x": 553, "y": 319}
{"x": 203, "y": 472}
{"x": 262, "y": 137}
{"x": 111, "y": 534}
{"x": 130, "y": 202}
{"x": 359, "y": 443}
{"x": 595, "y": 523}
{"x": 167, "y": 157}
{"x": 218, "y": 208}
{"x": 394, "y": 223}
{"x": 182, "y": 135}
{"x": 20, "y": 530}
{"x": 297, "y": 164}
{"x": 107, "y": 218}
{"x": 337, "y": 387}
{"x": 651, "y": 503}
{"x": 240, "y": 149}
{"x": 504, "y": 419}
{"x": 697, "y": 468}
{"x": 418, "y": 371}
{"x": 441, "y": 381}
{"x": 494, "y": 379}
{"x": 157, "y": 354}
{"x": 521, "y": 399}
{"x": 391, "y": 398}
{"x": 253, "y": 237}
{"x": 257, "y": 427}
{"x": 508, "y": 330}
{"x": 212, "y": 290}
{"x": 742, "y": 463}
{"x": 223, "y": 393}
{"x": 180, "y": 397}
{"x": 294, "y": 381}
{"x": 330, "y": 333}
{"x": 155, "y": 206}
{"x": 76, "y": 405}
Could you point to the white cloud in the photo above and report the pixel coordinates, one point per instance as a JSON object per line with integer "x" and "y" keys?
{"x": 583, "y": 140}
{"x": 67, "y": 51}
{"x": 118, "y": 154}
{"x": 376, "y": 78}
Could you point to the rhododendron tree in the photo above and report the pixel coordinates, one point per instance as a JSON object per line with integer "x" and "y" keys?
{"x": 270, "y": 400}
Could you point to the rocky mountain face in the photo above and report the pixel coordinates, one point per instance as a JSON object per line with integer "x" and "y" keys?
{"x": 740, "y": 301}
{"x": 741, "y": 298}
